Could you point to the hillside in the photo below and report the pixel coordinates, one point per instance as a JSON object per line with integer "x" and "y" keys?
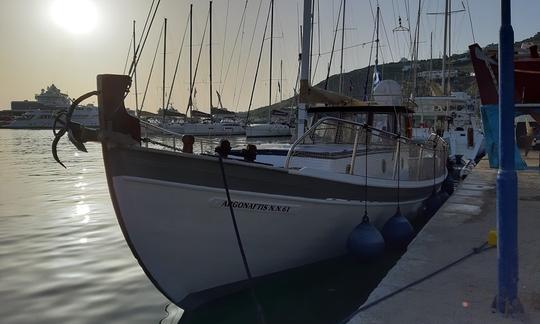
{"x": 355, "y": 81}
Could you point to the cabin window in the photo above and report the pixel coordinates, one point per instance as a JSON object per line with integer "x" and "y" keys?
{"x": 383, "y": 121}
{"x": 361, "y": 118}
{"x": 358, "y": 117}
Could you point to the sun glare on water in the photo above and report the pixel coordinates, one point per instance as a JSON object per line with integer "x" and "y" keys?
{"x": 75, "y": 16}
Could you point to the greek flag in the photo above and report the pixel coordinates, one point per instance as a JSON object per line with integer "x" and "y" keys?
{"x": 376, "y": 77}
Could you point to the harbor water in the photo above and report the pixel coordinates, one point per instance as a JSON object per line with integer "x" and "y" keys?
{"x": 63, "y": 258}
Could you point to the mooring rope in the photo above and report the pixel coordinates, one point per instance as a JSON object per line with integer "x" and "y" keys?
{"x": 151, "y": 141}
{"x": 475, "y": 251}
{"x": 365, "y": 219}
{"x": 260, "y": 313}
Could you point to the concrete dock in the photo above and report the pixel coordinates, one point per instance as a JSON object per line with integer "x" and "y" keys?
{"x": 464, "y": 293}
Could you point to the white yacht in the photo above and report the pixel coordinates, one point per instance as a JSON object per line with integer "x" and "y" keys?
{"x": 206, "y": 127}
{"x": 268, "y": 130}
{"x": 87, "y": 115}
{"x": 42, "y": 112}
{"x": 455, "y": 118}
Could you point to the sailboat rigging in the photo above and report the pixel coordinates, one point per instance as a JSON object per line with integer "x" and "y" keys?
{"x": 269, "y": 129}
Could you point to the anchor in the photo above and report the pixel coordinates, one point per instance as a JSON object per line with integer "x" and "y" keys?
{"x": 77, "y": 133}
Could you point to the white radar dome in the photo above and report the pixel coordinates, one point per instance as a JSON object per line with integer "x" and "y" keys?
{"x": 387, "y": 93}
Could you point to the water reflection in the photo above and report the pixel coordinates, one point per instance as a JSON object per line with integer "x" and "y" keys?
{"x": 63, "y": 258}
{"x": 82, "y": 209}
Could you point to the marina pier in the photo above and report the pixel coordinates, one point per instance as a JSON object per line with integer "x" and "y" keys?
{"x": 464, "y": 292}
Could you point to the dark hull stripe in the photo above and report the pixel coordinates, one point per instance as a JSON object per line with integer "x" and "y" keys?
{"x": 205, "y": 171}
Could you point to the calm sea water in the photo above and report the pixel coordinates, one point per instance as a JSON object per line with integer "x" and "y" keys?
{"x": 63, "y": 258}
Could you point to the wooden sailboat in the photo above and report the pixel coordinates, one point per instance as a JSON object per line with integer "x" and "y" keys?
{"x": 292, "y": 206}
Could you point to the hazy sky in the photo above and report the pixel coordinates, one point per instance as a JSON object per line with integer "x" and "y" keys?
{"x": 69, "y": 42}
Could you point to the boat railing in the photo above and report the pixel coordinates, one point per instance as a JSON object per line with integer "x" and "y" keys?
{"x": 354, "y": 148}
{"x": 155, "y": 136}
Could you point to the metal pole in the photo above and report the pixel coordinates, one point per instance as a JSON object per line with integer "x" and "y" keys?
{"x": 430, "y": 55}
{"x": 311, "y": 35}
{"x": 271, "y": 48}
{"x": 190, "y": 58}
{"x": 135, "y": 72}
{"x": 415, "y": 50}
{"x": 449, "y": 62}
{"x": 507, "y": 300}
{"x": 304, "y": 72}
{"x": 443, "y": 78}
{"x": 355, "y": 148}
{"x": 280, "y": 81}
{"x": 342, "y": 45}
{"x": 377, "y": 41}
{"x": 211, "y": 106}
{"x": 164, "y": 66}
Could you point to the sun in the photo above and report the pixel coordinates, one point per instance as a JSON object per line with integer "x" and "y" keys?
{"x": 75, "y": 16}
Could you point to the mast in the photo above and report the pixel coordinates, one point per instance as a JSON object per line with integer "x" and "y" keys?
{"x": 449, "y": 43}
{"x": 342, "y": 44}
{"x": 376, "y": 72}
{"x": 280, "y": 81}
{"x": 190, "y": 104}
{"x": 312, "y": 17}
{"x": 444, "y": 50}
{"x": 271, "y": 48}
{"x": 430, "y": 55}
{"x": 417, "y": 41}
{"x": 304, "y": 73}
{"x": 164, "y": 65}
{"x": 210, "y": 57}
{"x": 135, "y": 72}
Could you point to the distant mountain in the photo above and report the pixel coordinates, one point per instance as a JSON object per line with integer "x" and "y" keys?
{"x": 354, "y": 82}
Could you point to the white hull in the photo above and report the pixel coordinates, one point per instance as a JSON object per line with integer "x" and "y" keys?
{"x": 458, "y": 144}
{"x": 40, "y": 119}
{"x": 185, "y": 235}
{"x": 203, "y": 129}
